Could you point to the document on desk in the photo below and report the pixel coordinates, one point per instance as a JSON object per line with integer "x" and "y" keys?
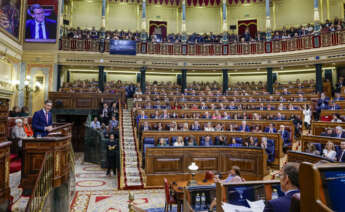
{"x": 256, "y": 206}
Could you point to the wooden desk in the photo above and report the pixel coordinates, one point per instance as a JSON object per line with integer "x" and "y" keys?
{"x": 278, "y": 142}
{"x": 172, "y": 162}
{"x": 265, "y": 114}
{"x": 178, "y": 188}
{"x": 305, "y": 139}
{"x": 4, "y": 173}
{"x": 318, "y": 127}
{"x": 299, "y": 157}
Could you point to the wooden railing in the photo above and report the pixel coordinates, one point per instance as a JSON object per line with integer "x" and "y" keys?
{"x": 43, "y": 184}
{"x": 215, "y": 49}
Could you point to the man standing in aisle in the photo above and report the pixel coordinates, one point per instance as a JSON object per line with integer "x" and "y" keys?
{"x": 42, "y": 120}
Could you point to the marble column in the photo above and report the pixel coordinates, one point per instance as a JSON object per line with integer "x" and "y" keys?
{"x": 225, "y": 80}
{"x": 143, "y": 79}
{"x": 268, "y": 21}
{"x": 318, "y": 72}
{"x": 269, "y": 80}
{"x": 143, "y": 35}
{"x": 101, "y": 78}
{"x": 317, "y": 27}
{"x": 183, "y": 23}
{"x": 104, "y": 6}
{"x": 183, "y": 80}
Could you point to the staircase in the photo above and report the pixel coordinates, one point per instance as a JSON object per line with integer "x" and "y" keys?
{"x": 132, "y": 177}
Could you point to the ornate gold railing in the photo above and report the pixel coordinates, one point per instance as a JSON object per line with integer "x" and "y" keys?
{"x": 43, "y": 184}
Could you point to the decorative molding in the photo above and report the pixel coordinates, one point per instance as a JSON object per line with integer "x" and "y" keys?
{"x": 7, "y": 94}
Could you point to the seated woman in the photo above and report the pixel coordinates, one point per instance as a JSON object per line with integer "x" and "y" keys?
{"x": 162, "y": 142}
{"x": 233, "y": 177}
{"x": 191, "y": 141}
{"x": 329, "y": 151}
{"x": 27, "y": 128}
{"x": 220, "y": 140}
{"x": 252, "y": 142}
{"x": 179, "y": 141}
{"x": 234, "y": 143}
{"x": 18, "y": 133}
{"x": 311, "y": 148}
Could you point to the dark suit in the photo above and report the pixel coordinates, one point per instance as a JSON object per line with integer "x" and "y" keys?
{"x": 342, "y": 157}
{"x": 50, "y": 28}
{"x": 282, "y": 204}
{"x": 39, "y": 122}
{"x": 245, "y": 129}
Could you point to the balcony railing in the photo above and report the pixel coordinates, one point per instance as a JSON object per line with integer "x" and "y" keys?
{"x": 216, "y": 49}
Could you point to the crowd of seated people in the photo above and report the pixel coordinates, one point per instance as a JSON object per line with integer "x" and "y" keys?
{"x": 195, "y": 38}
{"x": 207, "y": 141}
{"x": 19, "y": 112}
{"x": 107, "y": 121}
{"x": 92, "y": 86}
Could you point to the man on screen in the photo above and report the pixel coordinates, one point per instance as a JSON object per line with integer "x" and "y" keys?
{"x": 40, "y": 27}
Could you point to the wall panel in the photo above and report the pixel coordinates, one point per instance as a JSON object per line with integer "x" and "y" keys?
{"x": 163, "y": 13}
{"x": 122, "y": 16}
{"x": 87, "y": 14}
{"x": 203, "y": 20}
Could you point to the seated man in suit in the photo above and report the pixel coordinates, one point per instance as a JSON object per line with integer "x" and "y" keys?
{"x": 333, "y": 106}
{"x": 322, "y": 103}
{"x": 244, "y": 127}
{"x": 289, "y": 185}
{"x": 285, "y": 135}
{"x": 196, "y": 126}
{"x": 40, "y": 27}
{"x": 270, "y": 129}
{"x": 341, "y": 157}
{"x": 339, "y": 132}
{"x": 337, "y": 97}
{"x": 42, "y": 120}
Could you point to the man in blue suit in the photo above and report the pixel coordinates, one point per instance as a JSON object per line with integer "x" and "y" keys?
{"x": 244, "y": 127}
{"x": 42, "y": 120}
{"x": 285, "y": 135}
{"x": 289, "y": 185}
{"x": 40, "y": 27}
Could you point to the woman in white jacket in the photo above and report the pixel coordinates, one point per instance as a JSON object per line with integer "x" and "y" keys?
{"x": 307, "y": 116}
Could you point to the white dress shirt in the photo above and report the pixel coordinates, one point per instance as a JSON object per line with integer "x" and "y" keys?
{"x": 37, "y": 27}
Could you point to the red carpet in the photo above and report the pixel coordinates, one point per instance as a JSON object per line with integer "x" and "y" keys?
{"x": 15, "y": 163}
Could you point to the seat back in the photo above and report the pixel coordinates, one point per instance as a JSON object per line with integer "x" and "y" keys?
{"x": 149, "y": 141}
{"x": 167, "y": 191}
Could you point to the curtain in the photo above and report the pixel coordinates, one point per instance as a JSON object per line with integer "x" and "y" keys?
{"x": 250, "y": 24}
{"x": 158, "y": 26}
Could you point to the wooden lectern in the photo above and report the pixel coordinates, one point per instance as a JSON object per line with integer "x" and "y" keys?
{"x": 58, "y": 142}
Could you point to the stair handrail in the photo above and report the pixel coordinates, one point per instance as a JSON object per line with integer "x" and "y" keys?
{"x": 43, "y": 184}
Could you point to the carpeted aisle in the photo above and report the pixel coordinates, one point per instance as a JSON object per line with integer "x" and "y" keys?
{"x": 95, "y": 192}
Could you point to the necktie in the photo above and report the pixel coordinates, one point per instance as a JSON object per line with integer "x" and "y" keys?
{"x": 40, "y": 31}
{"x": 341, "y": 156}
{"x": 47, "y": 117}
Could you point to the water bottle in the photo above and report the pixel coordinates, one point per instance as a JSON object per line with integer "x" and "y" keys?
{"x": 274, "y": 194}
{"x": 203, "y": 201}
{"x": 197, "y": 201}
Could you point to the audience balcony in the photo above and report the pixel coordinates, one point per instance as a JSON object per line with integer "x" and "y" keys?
{"x": 215, "y": 49}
